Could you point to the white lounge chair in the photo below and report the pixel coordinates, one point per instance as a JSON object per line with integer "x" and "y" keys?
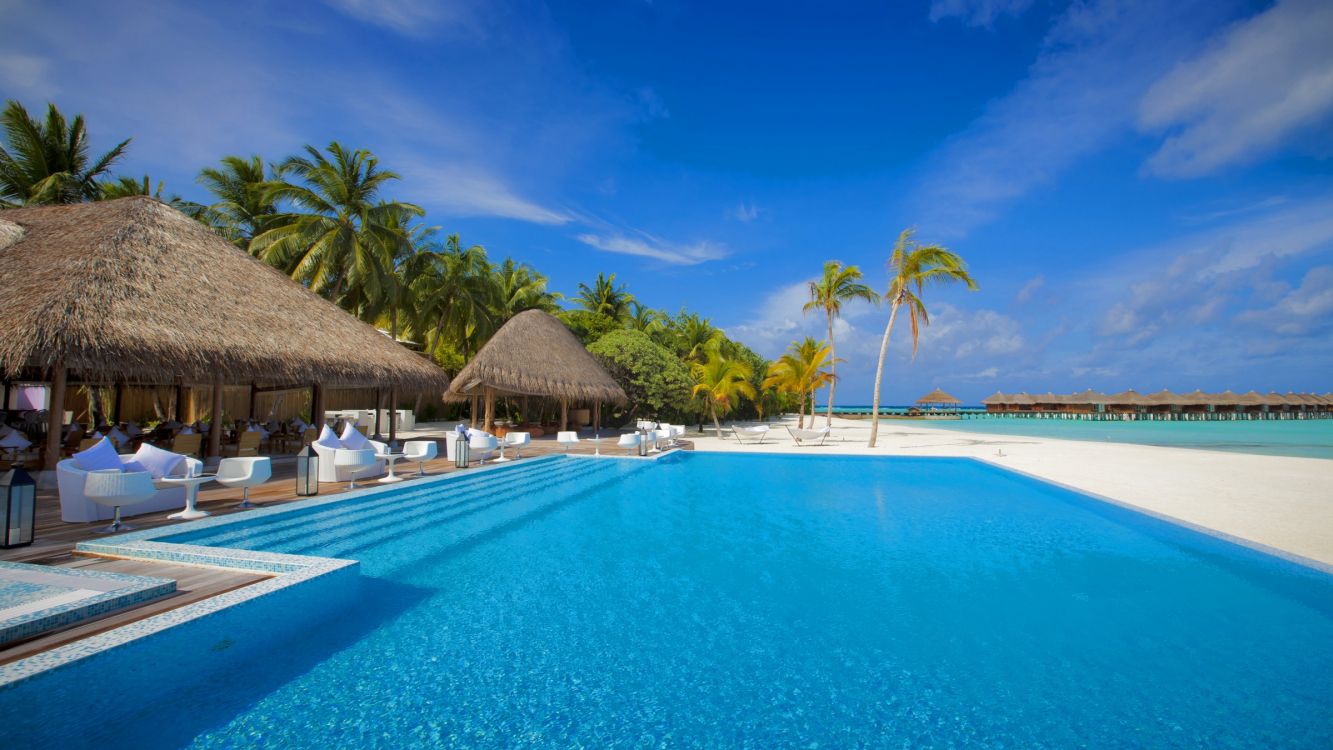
{"x": 420, "y": 451}
{"x": 115, "y": 488}
{"x": 756, "y": 433}
{"x": 481, "y": 445}
{"x": 567, "y": 439}
{"x": 809, "y": 437}
{"x": 629, "y": 442}
{"x": 517, "y": 440}
{"x": 244, "y": 472}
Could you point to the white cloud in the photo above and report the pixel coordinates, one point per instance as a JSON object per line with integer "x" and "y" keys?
{"x": 27, "y": 73}
{"x": 964, "y": 334}
{"x": 645, "y": 245}
{"x": 1301, "y": 310}
{"x": 977, "y": 12}
{"x": 1268, "y": 78}
{"x": 415, "y": 18}
{"x": 746, "y": 212}
{"x": 472, "y": 191}
{"x": 1032, "y": 286}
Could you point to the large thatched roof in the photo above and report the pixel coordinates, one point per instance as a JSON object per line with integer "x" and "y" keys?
{"x": 938, "y": 396}
{"x": 536, "y": 355}
{"x": 133, "y": 290}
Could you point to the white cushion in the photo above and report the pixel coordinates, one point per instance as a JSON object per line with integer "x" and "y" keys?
{"x": 328, "y": 438}
{"x": 157, "y": 462}
{"x": 352, "y": 439}
{"x": 102, "y": 455}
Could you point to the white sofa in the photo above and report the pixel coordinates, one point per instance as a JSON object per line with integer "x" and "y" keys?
{"x": 76, "y": 508}
{"x": 329, "y": 471}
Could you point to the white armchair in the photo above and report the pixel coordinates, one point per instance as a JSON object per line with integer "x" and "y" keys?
{"x": 629, "y": 442}
{"x": 517, "y": 440}
{"x": 567, "y": 439}
{"x": 481, "y": 445}
{"x": 245, "y": 472}
{"x": 420, "y": 451}
{"x": 331, "y": 471}
{"x": 76, "y": 507}
{"x": 112, "y": 489}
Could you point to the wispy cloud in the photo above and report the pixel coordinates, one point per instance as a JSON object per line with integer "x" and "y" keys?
{"x": 1030, "y": 288}
{"x": 414, "y": 18}
{"x": 977, "y": 12}
{"x": 470, "y": 191}
{"x": 26, "y": 73}
{"x": 1267, "y": 78}
{"x": 644, "y": 245}
{"x": 1080, "y": 95}
{"x": 746, "y": 212}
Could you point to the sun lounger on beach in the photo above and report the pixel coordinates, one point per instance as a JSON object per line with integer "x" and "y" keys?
{"x": 809, "y": 437}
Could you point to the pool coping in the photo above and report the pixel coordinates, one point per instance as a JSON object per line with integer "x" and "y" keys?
{"x": 131, "y": 591}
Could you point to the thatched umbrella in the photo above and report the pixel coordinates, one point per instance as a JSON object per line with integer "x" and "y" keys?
{"x": 938, "y": 396}
{"x": 133, "y": 291}
{"x": 535, "y": 355}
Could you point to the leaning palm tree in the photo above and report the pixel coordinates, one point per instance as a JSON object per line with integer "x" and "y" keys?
{"x": 837, "y": 285}
{"x": 337, "y": 228}
{"x": 912, "y": 268}
{"x": 722, "y": 383}
{"x": 48, "y": 162}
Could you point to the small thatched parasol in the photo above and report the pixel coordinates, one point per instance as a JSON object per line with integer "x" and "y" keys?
{"x": 938, "y": 396}
{"x": 535, "y": 355}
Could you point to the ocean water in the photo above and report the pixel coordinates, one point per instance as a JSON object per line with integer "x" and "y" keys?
{"x": 1308, "y": 438}
{"x": 710, "y": 601}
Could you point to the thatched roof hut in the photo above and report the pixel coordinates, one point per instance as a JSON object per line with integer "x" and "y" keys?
{"x": 996, "y": 399}
{"x": 133, "y": 291}
{"x": 534, "y": 354}
{"x": 1163, "y": 397}
{"x": 938, "y": 396}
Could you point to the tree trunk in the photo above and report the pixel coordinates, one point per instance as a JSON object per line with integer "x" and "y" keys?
{"x": 800, "y": 412}
{"x": 879, "y": 373}
{"x": 833, "y": 375}
{"x": 55, "y": 418}
{"x": 712, "y": 409}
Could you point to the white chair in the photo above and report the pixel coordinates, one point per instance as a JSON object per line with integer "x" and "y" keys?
{"x": 351, "y": 463}
{"x": 481, "y": 445}
{"x": 567, "y": 439}
{"x": 331, "y": 471}
{"x": 114, "y": 488}
{"x": 420, "y": 451}
{"x": 629, "y": 442}
{"x": 245, "y": 472}
{"x": 517, "y": 440}
{"x": 650, "y": 439}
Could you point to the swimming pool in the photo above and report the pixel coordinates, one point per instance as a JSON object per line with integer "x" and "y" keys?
{"x": 711, "y": 600}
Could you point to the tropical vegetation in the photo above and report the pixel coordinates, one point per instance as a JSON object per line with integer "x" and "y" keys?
{"x": 838, "y": 284}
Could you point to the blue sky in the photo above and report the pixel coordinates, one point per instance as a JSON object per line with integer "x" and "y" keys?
{"x": 1143, "y": 189}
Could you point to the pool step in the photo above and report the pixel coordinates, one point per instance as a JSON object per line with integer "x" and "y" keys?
{"x": 242, "y": 534}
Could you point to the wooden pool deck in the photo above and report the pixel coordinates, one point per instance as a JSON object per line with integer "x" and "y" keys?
{"x": 54, "y": 542}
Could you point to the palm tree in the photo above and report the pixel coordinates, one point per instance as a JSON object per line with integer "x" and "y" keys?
{"x": 518, "y": 287}
{"x": 605, "y": 297}
{"x": 801, "y": 371}
{"x": 722, "y": 382}
{"x": 644, "y": 318}
{"x": 454, "y": 295}
{"x": 913, "y": 267}
{"x": 695, "y": 336}
{"x": 338, "y": 228}
{"x": 244, "y": 208}
{"x": 48, "y": 162}
{"x": 125, "y": 187}
{"x": 837, "y": 285}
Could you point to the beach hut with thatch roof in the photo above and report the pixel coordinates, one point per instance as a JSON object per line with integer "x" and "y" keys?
{"x": 937, "y": 397}
{"x": 132, "y": 291}
{"x": 534, "y": 354}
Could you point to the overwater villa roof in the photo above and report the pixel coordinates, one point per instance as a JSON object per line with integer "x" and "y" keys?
{"x": 1163, "y": 397}
{"x": 996, "y": 398}
{"x": 1130, "y": 397}
{"x": 132, "y": 290}
{"x": 938, "y": 396}
{"x": 536, "y": 355}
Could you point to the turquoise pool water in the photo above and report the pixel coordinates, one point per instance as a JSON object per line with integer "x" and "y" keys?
{"x": 763, "y": 601}
{"x": 1312, "y": 438}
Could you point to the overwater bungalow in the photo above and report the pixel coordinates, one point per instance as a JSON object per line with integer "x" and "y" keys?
{"x": 1162, "y": 405}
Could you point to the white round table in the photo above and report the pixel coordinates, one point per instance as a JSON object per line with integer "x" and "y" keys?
{"x": 391, "y": 458}
{"x": 191, "y": 485}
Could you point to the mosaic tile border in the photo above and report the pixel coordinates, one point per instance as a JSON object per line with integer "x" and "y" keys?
{"x": 133, "y": 590}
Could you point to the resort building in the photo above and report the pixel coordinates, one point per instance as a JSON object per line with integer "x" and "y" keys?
{"x": 1161, "y": 405}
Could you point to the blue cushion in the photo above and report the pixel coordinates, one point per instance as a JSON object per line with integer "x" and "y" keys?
{"x": 101, "y": 456}
{"x": 157, "y": 462}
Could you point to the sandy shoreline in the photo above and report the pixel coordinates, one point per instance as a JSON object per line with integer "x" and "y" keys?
{"x": 1279, "y": 502}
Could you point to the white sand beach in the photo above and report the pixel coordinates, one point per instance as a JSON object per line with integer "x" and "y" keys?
{"x": 1276, "y": 502}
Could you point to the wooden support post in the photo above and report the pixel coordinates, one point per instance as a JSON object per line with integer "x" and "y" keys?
{"x": 393, "y": 414}
{"x": 472, "y": 412}
{"x": 180, "y": 402}
{"x": 379, "y": 406}
{"x": 488, "y": 424}
{"x": 118, "y": 416}
{"x": 254, "y": 402}
{"x": 524, "y": 407}
{"x": 55, "y": 418}
{"x": 317, "y": 406}
{"x": 564, "y": 414}
{"x": 4, "y": 405}
{"x": 215, "y": 429}
{"x": 597, "y": 415}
